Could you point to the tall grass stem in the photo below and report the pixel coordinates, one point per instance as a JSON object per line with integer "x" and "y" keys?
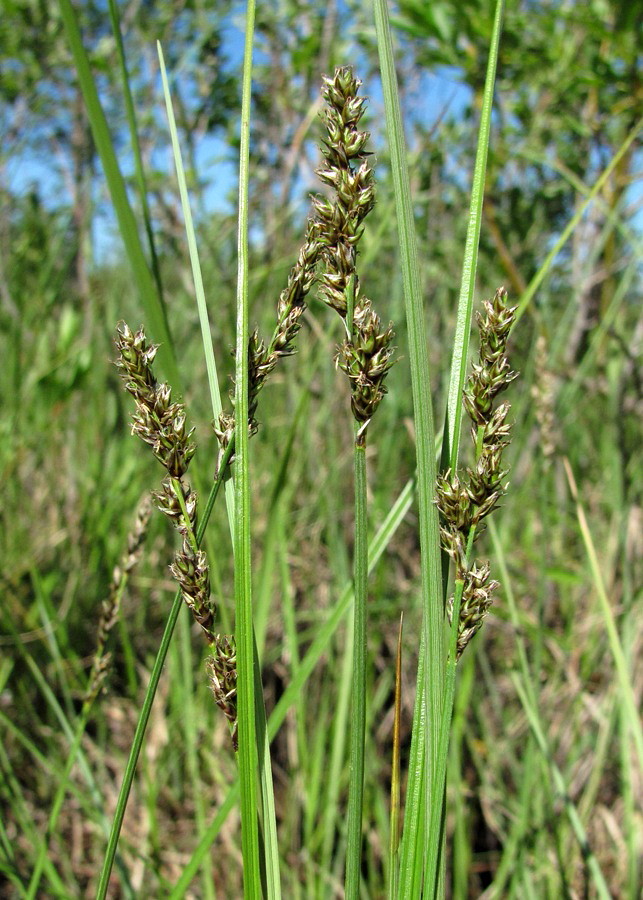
{"x": 358, "y": 693}
{"x": 146, "y": 708}
{"x": 247, "y": 758}
{"x": 453, "y": 425}
{"x": 430, "y": 690}
{"x": 155, "y": 311}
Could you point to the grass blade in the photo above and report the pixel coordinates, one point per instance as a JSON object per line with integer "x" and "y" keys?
{"x": 395, "y": 771}
{"x": 559, "y": 782}
{"x": 144, "y": 715}
{"x": 624, "y": 679}
{"x": 248, "y": 759}
{"x": 358, "y": 693}
{"x": 430, "y": 689}
{"x": 538, "y": 278}
{"x": 269, "y": 819}
{"x": 453, "y": 425}
{"x": 154, "y": 310}
{"x": 306, "y": 667}
{"x": 206, "y": 334}
{"x": 136, "y": 146}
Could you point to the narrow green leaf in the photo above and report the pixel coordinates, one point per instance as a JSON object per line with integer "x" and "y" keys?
{"x": 430, "y": 687}
{"x": 358, "y": 693}
{"x": 538, "y": 278}
{"x": 248, "y": 758}
{"x": 293, "y": 692}
{"x": 453, "y": 425}
{"x": 136, "y": 146}
{"x": 559, "y": 782}
{"x": 146, "y": 708}
{"x": 395, "y": 771}
{"x": 623, "y": 676}
{"x": 206, "y": 333}
{"x": 154, "y": 310}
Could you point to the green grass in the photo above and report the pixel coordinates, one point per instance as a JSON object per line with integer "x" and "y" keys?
{"x": 520, "y": 766}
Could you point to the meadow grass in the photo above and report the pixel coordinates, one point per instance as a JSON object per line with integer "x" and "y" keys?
{"x": 538, "y": 718}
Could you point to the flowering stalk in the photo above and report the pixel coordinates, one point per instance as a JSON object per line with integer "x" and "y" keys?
{"x": 365, "y": 356}
{"x": 162, "y": 425}
{"x": 262, "y": 359}
{"x": 112, "y": 603}
{"x": 465, "y": 501}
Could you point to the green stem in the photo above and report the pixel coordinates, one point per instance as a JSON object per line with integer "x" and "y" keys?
{"x": 295, "y": 689}
{"x": 436, "y": 824}
{"x": 559, "y": 783}
{"x": 395, "y": 772}
{"x": 358, "y": 720}
{"x": 144, "y": 715}
{"x": 178, "y": 492}
{"x": 248, "y": 757}
{"x": 431, "y": 667}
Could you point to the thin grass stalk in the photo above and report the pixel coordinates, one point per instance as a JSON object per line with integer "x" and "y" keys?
{"x": 52, "y": 702}
{"x": 56, "y": 806}
{"x": 24, "y": 819}
{"x": 155, "y": 312}
{"x": 358, "y": 693}
{"x": 461, "y": 845}
{"x": 412, "y": 844}
{"x": 293, "y": 691}
{"x": 623, "y": 676}
{"x": 436, "y": 791}
{"x": 146, "y": 708}
{"x": 248, "y": 758}
{"x": 269, "y": 819}
{"x": 538, "y": 278}
{"x": 189, "y": 726}
{"x": 524, "y": 683}
{"x": 437, "y": 813}
{"x": 628, "y": 770}
{"x": 139, "y": 169}
{"x": 453, "y": 424}
{"x": 569, "y": 393}
{"x": 135, "y": 749}
{"x": 75, "y": 741}
{"x": 430, "y": 689}
{"x": 613, "y": 217}
{"x": 395, "y": 772}
{"x": 197, "y": 278}
{"x": 341, "y": 712}
{"x": 179, "y": 890}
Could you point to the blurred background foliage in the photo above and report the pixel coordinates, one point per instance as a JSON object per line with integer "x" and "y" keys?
{"x": 568, "y": 95}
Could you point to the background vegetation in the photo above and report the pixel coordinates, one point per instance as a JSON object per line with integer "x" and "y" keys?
{"x": 568, "y": 97}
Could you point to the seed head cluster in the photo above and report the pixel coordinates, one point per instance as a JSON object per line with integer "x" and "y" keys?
{"x": 162, "y": 425}
{"x": 465, "y": 501}
{"x": 332, "y": 236}
{"x": 263, "y": 358}
{"x": 222, "y": 672}
{"x": 365, "y": 355}
{"x": 112, "y": 603}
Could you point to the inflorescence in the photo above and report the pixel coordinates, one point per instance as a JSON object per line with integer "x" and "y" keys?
{"x": 162, "y": 425}
{"x": 465, "y": 501}
{"x": 365, "y": 354}
{"x": 112, "y": 603}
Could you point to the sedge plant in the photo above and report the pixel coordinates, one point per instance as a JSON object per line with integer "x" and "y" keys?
{"x": 365, "y": 356}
